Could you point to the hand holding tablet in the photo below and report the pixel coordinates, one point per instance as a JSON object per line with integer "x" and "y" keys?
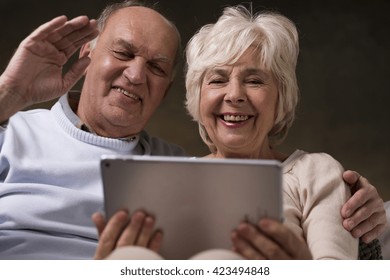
{"x": 197, "y": 202}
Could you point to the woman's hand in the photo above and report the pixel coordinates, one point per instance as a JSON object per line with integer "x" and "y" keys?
{"x": 121, "y": 231}
{"x": 363, "y": 214}
{"x": 269, "y": 240}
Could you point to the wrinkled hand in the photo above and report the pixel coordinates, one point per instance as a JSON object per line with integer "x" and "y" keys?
{"x": 120, "y": 231}
{"x": 364, "y": 213}
{"x": 35, "y": 72}
{"x": 271, "y": 240}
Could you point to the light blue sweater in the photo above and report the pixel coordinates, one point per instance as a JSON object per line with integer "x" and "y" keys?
{"x": 50, "y": 183}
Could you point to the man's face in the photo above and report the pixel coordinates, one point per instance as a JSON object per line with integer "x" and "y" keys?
{"x": 131, "y": 70}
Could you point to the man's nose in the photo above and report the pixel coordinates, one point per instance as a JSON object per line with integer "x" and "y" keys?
{"x": 135, "y": 71}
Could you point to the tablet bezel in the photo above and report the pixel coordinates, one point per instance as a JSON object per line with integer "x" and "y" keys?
{"x": 194, "y": 200}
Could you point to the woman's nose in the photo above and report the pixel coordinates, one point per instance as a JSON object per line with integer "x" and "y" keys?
{"x": 236, "y": 93}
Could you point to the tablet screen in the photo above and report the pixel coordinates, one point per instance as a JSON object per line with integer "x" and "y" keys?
{"x": 197, "y": 202}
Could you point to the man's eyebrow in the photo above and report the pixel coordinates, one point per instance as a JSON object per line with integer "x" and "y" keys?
{"x": 125, "y": 44}
{"x": 162, "y": 58}
{"x": 132, "y": 47}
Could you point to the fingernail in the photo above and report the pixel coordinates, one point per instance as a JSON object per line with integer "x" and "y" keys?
{"x": 358, "y": 233}
{"x": 264, "y": 224}
{"x": 367, "y": 240}
{"x": 348, "y": 213}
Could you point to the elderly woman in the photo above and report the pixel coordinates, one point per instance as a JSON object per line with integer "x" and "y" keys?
{"x": 242, "y": 90}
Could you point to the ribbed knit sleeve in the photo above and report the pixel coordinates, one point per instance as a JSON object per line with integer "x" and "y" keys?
{"x": 314, "y": 193}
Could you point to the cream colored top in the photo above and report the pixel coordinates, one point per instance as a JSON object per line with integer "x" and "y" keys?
{"x": 313, "y": 195}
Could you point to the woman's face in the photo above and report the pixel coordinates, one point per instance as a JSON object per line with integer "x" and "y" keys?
{"x": 237, "y": 107}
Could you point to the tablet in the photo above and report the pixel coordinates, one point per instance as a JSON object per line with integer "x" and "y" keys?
{"x": 197, "y": 202}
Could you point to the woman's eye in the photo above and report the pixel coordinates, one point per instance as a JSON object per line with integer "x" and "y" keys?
{"x": 255, "y": 81}
{"x": 216, "y": 81}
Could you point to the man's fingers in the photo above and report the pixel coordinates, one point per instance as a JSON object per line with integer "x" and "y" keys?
{"x": 71, "y": 49}
{"x": 370, "y": 225}
{"x": 66, "y": 36}
{"x": 74, "y": 40}
{"x": 370, "y": 214}
{"x": 69, "y": 27}
{"x": 132, "y": 230}
{"x": 42, "y": 31}
{"x": 371, "y": 235}
{"x": 363, "y": 214}
{"x": 355, "y": 202}
{"x": 120, "y": 231}
{"x": 111, "y": 233}
{"x": 75, "y": 73}
{"x": 351, "y": 177}
{"x": 99, "y": 221}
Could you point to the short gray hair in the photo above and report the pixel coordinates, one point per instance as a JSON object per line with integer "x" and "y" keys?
{"x": 110, "y": 9}
{"x": 274, "y": 37}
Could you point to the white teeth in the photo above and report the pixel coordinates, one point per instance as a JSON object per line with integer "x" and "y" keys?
{"x": 128, "y": 94}
{"x": 234, "y": 118}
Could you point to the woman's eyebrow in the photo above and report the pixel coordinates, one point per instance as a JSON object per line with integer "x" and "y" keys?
{"x": 217, "y": 70}
{"x": 255, "y": 71}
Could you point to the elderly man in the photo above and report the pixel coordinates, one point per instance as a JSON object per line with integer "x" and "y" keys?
{"x": 50, "y": 183}
{"x": 50, "y": 180}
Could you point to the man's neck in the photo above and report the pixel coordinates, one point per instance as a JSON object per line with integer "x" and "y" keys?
{"x": 74, "y": 99}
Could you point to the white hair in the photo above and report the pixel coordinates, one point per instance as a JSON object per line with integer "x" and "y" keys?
{"x": 273, "y": 36}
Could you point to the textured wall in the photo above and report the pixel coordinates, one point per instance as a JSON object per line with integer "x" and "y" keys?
{"x": 343, "y": 72}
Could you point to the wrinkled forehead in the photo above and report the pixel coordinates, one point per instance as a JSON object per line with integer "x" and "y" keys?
{"x": 138, "y": 13}
{"x": 143, "y": 19}
{"x": 245, "y": 56}
{"x": 144, "y": 27}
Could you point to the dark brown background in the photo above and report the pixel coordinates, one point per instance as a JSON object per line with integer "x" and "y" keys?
{"x": 343, "y": 72}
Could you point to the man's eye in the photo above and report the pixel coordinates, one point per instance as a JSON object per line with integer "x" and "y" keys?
{"x": 157, "y": 69}
{"x": 123, "y": 55}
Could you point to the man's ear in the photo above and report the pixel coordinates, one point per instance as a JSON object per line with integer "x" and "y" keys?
{"x": 85, "y": 50}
